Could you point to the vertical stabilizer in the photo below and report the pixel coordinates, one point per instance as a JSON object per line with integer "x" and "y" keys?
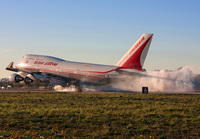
{"x": 135, "y": 57}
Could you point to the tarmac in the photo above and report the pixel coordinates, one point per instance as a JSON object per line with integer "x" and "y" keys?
{"x": 131, "y": 92}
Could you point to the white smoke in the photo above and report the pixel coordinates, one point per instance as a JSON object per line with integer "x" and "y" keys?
{"x": 162, "y": 80}
{"x": 64, "y": 89}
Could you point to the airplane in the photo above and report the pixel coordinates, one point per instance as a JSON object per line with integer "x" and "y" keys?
{"x": 62, "y": 72}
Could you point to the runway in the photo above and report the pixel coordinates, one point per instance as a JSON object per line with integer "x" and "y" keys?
{"x": 96, "y": 92}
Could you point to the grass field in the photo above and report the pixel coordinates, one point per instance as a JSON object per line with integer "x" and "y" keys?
{"x": 96, "y": 115}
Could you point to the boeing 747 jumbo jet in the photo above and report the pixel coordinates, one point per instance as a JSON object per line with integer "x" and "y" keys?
{"x": 63, "y": 72}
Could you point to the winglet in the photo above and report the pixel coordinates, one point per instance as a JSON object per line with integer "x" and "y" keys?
{"x": 10, "y": 67}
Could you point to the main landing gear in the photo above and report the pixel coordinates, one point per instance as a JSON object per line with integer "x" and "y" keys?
{"x": 80, "y": 90}
{"x": 79, "y": 87}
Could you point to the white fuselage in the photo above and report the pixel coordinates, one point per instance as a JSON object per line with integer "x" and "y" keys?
{"x": 62, "y": 72}
{"x": 52, "y": 65}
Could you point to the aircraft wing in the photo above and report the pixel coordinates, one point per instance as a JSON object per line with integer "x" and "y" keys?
{"x": 10, "y": 67}
{"x": 54, "y": 79}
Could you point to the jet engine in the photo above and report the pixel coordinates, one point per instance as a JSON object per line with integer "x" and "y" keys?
{"x": 15, "y": 78}
{"x": 28, "y": 79}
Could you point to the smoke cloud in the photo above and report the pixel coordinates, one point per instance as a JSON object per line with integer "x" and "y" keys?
{"x": 181, "y": 79}
{"x": 64, "y": 89}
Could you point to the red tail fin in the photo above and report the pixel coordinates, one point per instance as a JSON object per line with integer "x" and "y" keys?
{"x": 135, "y": 57}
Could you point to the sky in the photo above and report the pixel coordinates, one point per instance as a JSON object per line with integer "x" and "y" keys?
{"x": 100, "y": 31}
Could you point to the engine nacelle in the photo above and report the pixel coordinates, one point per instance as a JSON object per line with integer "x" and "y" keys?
{"x": 28, "y": 79}
{"x": 15, "y": 78}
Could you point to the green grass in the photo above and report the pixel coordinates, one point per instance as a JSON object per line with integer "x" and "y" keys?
{"x": 107, "y": 115}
